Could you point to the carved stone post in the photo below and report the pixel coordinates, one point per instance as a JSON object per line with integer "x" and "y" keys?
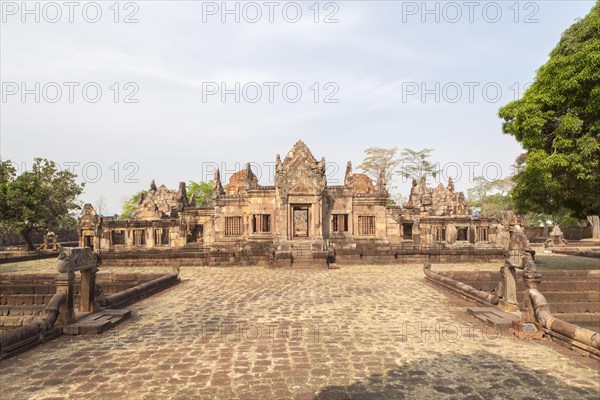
{"x": 531, "y": 278}
{"x": 64, "y": 283}
{"x": 73, "y": 259}
{"x": 508, "y": 299}
{"x": 88, "y": 291}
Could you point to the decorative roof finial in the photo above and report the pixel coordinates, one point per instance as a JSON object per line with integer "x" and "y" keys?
{"x": 217, "y": 186}
{"x": 248, "y": 172}
{"x": 381, "y": 181}
{"x": 349, "y": 177}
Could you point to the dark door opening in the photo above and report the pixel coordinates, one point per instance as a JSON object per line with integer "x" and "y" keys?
{"x": 300, "y": 221}
{"x": 88, "y": 241}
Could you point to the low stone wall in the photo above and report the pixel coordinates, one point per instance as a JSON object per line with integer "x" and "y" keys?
{"x": 141, "y": 291}
{"x": 172, "y": 257}
{"x": 468, "y": 291}
{"x": 35, "y": 333}
{"x": 64, "y": 235}
{"x": 16, "y": 256}
{"x": 267, "y": 258}
{"x": 569, "y": 232}
{"x": 416, "y": 255}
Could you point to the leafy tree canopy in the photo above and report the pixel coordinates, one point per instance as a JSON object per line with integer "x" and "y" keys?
{"x": 557, "y": 121}
{"x": 36, "y": 200}
{"x": 129, "y": 206}
{"x": 562, "y": 217}
{"x": 491, "y": 197}
{"x": 378, "y": 161}
{"x": 415, "y": 164}
{"x": 202, "y": 192}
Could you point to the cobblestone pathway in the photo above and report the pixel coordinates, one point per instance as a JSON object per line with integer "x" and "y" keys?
{"x": 364, "y": 332}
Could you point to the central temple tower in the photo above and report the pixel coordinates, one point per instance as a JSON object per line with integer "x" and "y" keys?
{"x": 300, "y": 184}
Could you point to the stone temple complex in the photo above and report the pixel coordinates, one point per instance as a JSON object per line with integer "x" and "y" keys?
{"x": 300, "y": 221}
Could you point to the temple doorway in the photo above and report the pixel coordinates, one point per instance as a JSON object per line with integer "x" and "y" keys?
{"x": 88, "y": 241}
{"x": 300, "y": 221}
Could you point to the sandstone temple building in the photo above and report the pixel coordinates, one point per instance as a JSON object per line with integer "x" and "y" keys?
{"x": 300, "y": 221}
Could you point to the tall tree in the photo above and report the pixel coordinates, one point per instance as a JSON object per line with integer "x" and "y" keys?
{"x": 595, "y": 222}
{"x": 415, "y": 164}
{"x": 36, "y": 200}
{"x": 557, "y": 121}
{"x": 380, "y": 161}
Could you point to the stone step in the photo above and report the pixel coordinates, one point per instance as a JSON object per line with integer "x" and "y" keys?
{"x": 568, "y": 297}
{"x": 492, "y": 316}
{"x": 578, "y": 317}
{"x": 570, "y": 308}
{"x": 302, "y": 255}
{"x": 544, "y": 287}
{"x": 97, "y": 323}
{"x": 313, "y": 264}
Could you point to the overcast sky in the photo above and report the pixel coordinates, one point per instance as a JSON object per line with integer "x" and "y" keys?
{"x": 342, "y": 76}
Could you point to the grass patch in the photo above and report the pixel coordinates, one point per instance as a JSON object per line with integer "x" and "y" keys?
{"x": 565, "y": 262}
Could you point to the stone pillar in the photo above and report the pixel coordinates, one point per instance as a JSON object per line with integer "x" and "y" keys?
{"x": 129, "y": 237}
{"x": 64, "y": 283}
{"x": 88, "y": 291}
{"x": 151, "y": 241}
{"x": 531, "y": 278}
{"x": 508, "y": 298}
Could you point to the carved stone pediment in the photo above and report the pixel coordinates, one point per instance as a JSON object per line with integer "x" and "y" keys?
{"x": 88, "y": 219}
{"x": 301, "y": 173}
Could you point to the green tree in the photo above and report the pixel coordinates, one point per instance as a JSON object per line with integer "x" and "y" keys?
{"x": 491, "y": 197}
{"x": 557, "y": 121}
{"x": 202, "y": 192}
{"x": 36, "y": 200}
{"x": 561, "y": 217}
{"x": 129, "y": 205}
{"x": 416, "y": 165}
{"x": 380, "y": 161}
